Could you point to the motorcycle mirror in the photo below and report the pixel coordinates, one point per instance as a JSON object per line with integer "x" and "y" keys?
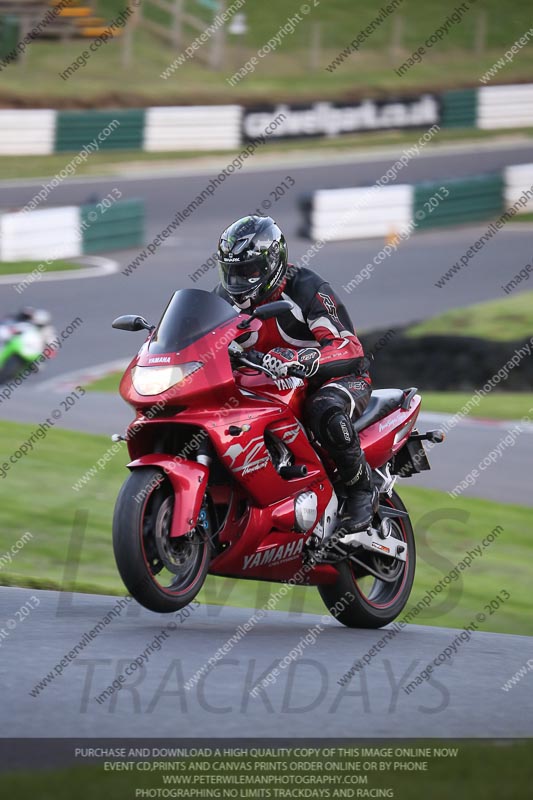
{"x": 267, "y": 311}
{"x": 131, "y": 322}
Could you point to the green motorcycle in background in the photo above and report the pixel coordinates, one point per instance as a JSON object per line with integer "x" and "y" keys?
{"x": 23, "y": 338}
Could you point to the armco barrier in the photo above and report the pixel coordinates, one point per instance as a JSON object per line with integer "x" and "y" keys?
{"x": 369, "y": 211}
{"x": 110, "y": 130}
{"x": 518, "y": 180}
{"x": 70, "y": 231}
{"x": 468, "y": 200}
{"x": 187, "y": 128}
{"x": 25, "y": 132}
{"x": 505, "y": 106}
{"x": 120, "y": 227}
{"x": 227, "y": 127}
{"x": 459, "y": 108}
{"x": 48, "y": 233}
{"x": 9, "y": 35}
{"x": 192, "y": 128}
{"x": 356, "y": 213}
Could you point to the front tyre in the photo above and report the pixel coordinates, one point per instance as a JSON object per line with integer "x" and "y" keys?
{"x": 12, "y": 368}
{"x": 163, "y": 574}
{"x": 359, "y": 599}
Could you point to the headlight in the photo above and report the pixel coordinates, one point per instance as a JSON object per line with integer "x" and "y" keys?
{"x": 155, "y": 380}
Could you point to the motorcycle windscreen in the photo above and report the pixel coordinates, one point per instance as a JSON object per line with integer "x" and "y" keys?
{"x": 190, "y": 314}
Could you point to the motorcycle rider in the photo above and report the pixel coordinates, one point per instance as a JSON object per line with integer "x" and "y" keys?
{"x": 36, "y": 316}
{"x": 28, "y": 318}
{"x": 316, "y": 334}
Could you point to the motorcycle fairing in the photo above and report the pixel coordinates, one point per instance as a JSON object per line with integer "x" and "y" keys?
{"x": 261, "y": 553}
{"x": 189, "y": 481}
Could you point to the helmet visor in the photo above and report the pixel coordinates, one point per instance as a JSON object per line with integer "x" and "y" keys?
{"x": 240, "y": 278}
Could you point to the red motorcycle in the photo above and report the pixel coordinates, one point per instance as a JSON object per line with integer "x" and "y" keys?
{"x": 225, "y": 479}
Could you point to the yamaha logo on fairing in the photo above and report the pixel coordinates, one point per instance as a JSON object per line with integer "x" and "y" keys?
{"x": 288, "y": 383}
{"x": 160, "y": 360}
{"x": 274, "y": 555}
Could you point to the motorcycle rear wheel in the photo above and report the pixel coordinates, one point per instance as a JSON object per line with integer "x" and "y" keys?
{"x": 163, "y": 574}
{"x": 375, "y": 602}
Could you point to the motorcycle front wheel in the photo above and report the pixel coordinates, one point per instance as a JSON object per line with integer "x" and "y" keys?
{"x": 12, "y": 367}
{"x": 163, "y": 574}
{"x": 360, "y": 599}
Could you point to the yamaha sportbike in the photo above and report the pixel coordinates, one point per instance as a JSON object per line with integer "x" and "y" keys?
{"x": 225, "y": 480}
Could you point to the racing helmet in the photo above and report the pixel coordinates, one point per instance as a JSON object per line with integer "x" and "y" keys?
{"x": 37, "y": 316}
{"x": 252, "y": 257}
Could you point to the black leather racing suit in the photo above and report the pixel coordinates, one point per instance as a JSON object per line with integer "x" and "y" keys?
{"x": 340, "y": 389}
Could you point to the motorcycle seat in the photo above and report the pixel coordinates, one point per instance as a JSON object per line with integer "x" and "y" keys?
{"x": 382, "y": 402}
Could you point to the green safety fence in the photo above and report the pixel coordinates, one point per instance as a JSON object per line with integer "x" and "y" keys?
{"x": 459, "y": 108}
{"x": 115, "y": 228}
{"x": 9, "y": 36}
{"x": 109, "y": 130}
{"x": 469, "y": 199}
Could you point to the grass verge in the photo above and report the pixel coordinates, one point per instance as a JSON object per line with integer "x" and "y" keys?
{"x": 296, "y": 69}
{"x": 59, "y": 461}
{"x": 497, "y": 405}
{"x": 508, "y": 319}
{"x": 109, "y": 383}
{"x": 25, "y": 267}
{"x": 522, "y": 218}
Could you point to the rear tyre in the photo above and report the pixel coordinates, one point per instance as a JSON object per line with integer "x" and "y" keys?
{"x": 358, "y": 599}
{"x": 163, "y": 574}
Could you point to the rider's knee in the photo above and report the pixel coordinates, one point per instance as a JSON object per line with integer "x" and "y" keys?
{"x": 338, "y": 431}
{"x": 330, "y": 422}
{"x": 318, "y": 408}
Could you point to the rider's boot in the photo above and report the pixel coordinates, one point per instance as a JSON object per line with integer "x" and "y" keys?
{"x": 361, "y": 502}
